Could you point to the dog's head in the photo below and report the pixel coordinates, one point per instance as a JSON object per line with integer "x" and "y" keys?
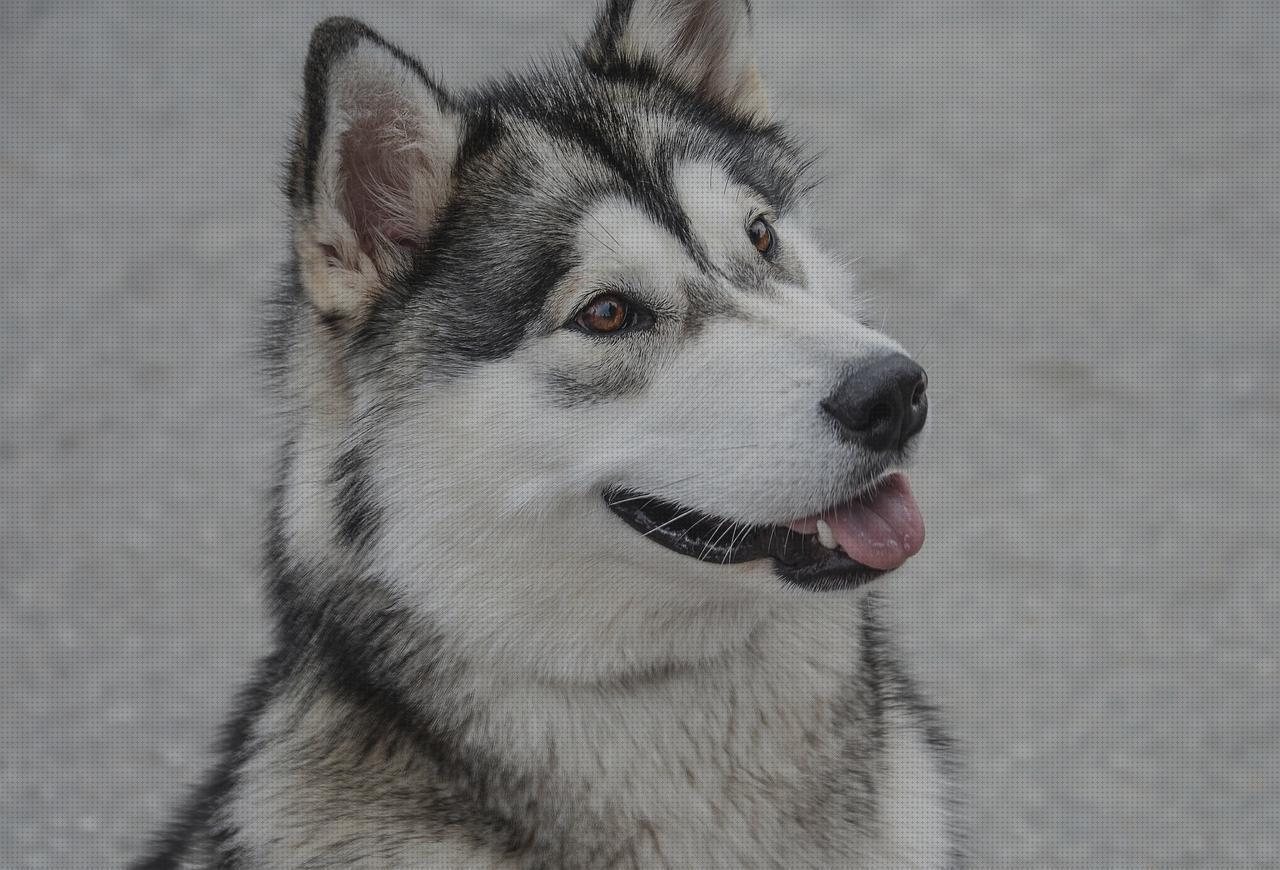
{"x": 571, "y": 375}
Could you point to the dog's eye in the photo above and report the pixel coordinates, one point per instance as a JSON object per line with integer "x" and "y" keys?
{"x": 761, "y": 234}
{"x": 606, "y": 313}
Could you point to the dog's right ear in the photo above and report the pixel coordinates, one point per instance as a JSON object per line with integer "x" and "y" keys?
{"x": 704, "y": 45}
{"x": 371, "y": 169}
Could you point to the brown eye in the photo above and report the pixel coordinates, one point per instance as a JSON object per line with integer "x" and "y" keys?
{"x": 761, "y": 234}
{"x": 605, "y": 313}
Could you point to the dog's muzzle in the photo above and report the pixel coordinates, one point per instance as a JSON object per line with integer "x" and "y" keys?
{"x": 844, "y": 546}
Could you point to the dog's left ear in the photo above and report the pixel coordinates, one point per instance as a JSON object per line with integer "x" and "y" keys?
{"x": 372, "y": 166}
{"x": 703, "y": 45}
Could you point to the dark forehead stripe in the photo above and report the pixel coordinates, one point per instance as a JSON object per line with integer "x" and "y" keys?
{"x": 507, "y": 235}
{"x": 642, "y": 176}
{"x": 638, "y": 126}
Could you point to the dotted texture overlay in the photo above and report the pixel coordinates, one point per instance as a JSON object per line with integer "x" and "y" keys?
{"x": 1069, "y": 211}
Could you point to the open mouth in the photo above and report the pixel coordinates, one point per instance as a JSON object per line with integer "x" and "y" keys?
{"x": 844, "y": 546}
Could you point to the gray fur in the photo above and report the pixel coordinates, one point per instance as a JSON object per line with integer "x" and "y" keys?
{"x": 470, "y": 671}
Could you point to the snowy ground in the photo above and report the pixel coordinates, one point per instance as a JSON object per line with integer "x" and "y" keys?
{"x": 1071, "y": 210}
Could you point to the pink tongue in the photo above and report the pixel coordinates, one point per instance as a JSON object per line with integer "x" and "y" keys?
{"x": 882, "y": 532}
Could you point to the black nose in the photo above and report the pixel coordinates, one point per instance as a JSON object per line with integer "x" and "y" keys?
{"x": 882, "y": 404}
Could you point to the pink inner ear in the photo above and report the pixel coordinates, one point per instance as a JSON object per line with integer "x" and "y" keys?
{"x": 704, "y": 31}
{"x": 383, "y": 176}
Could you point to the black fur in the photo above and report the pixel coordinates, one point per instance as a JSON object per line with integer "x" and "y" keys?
{"x": 340, "y": 632}
{"x": 893, "y": 687}
{"x": 359, "y": 515}
{"x": 195, "y": 834}
{"x": 600, "y": 111}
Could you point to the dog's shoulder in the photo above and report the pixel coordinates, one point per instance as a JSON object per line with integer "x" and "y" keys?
{"x": 307, "y": 777}
{"x": 918, "y": 805}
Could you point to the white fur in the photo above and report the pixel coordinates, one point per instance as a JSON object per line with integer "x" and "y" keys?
{"x": 697, "y": 709}
{"x": 728, "y": 423}
{"x": 549, "y": 597}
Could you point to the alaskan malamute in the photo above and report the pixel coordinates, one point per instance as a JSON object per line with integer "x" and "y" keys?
{"x": 591, "y": 457}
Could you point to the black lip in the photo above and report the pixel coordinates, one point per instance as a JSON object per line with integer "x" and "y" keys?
{"x": 798, "y": 559}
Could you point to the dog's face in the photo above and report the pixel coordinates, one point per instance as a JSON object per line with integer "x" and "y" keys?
{"x": 592, "y": 378}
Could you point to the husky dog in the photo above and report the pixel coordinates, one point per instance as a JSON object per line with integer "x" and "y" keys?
{"x": 591, "y": 456}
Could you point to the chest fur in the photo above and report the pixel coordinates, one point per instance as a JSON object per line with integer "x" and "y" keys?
{"x": 724, "y": 768}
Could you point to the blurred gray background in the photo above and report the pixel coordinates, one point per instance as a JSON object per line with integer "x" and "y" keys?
{"x": 1070, "y": 210}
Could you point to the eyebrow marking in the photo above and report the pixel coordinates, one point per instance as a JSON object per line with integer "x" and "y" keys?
{"x": 658, "y": 197}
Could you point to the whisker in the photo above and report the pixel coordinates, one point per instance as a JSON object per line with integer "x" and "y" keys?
{"x": 712, "y": 542}
{"x": 601, "y": 225}
{"x": 670, "y": 521}
{"x": 633, "y": 498}
{"x": 733, "y": 544}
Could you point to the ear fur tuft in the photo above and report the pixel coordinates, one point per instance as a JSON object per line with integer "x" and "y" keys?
{"x": 372, "y": 164}
{"x": 702, "y": 45}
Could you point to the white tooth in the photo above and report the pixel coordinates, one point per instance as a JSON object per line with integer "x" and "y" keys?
{"x": 826, "y": 537}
